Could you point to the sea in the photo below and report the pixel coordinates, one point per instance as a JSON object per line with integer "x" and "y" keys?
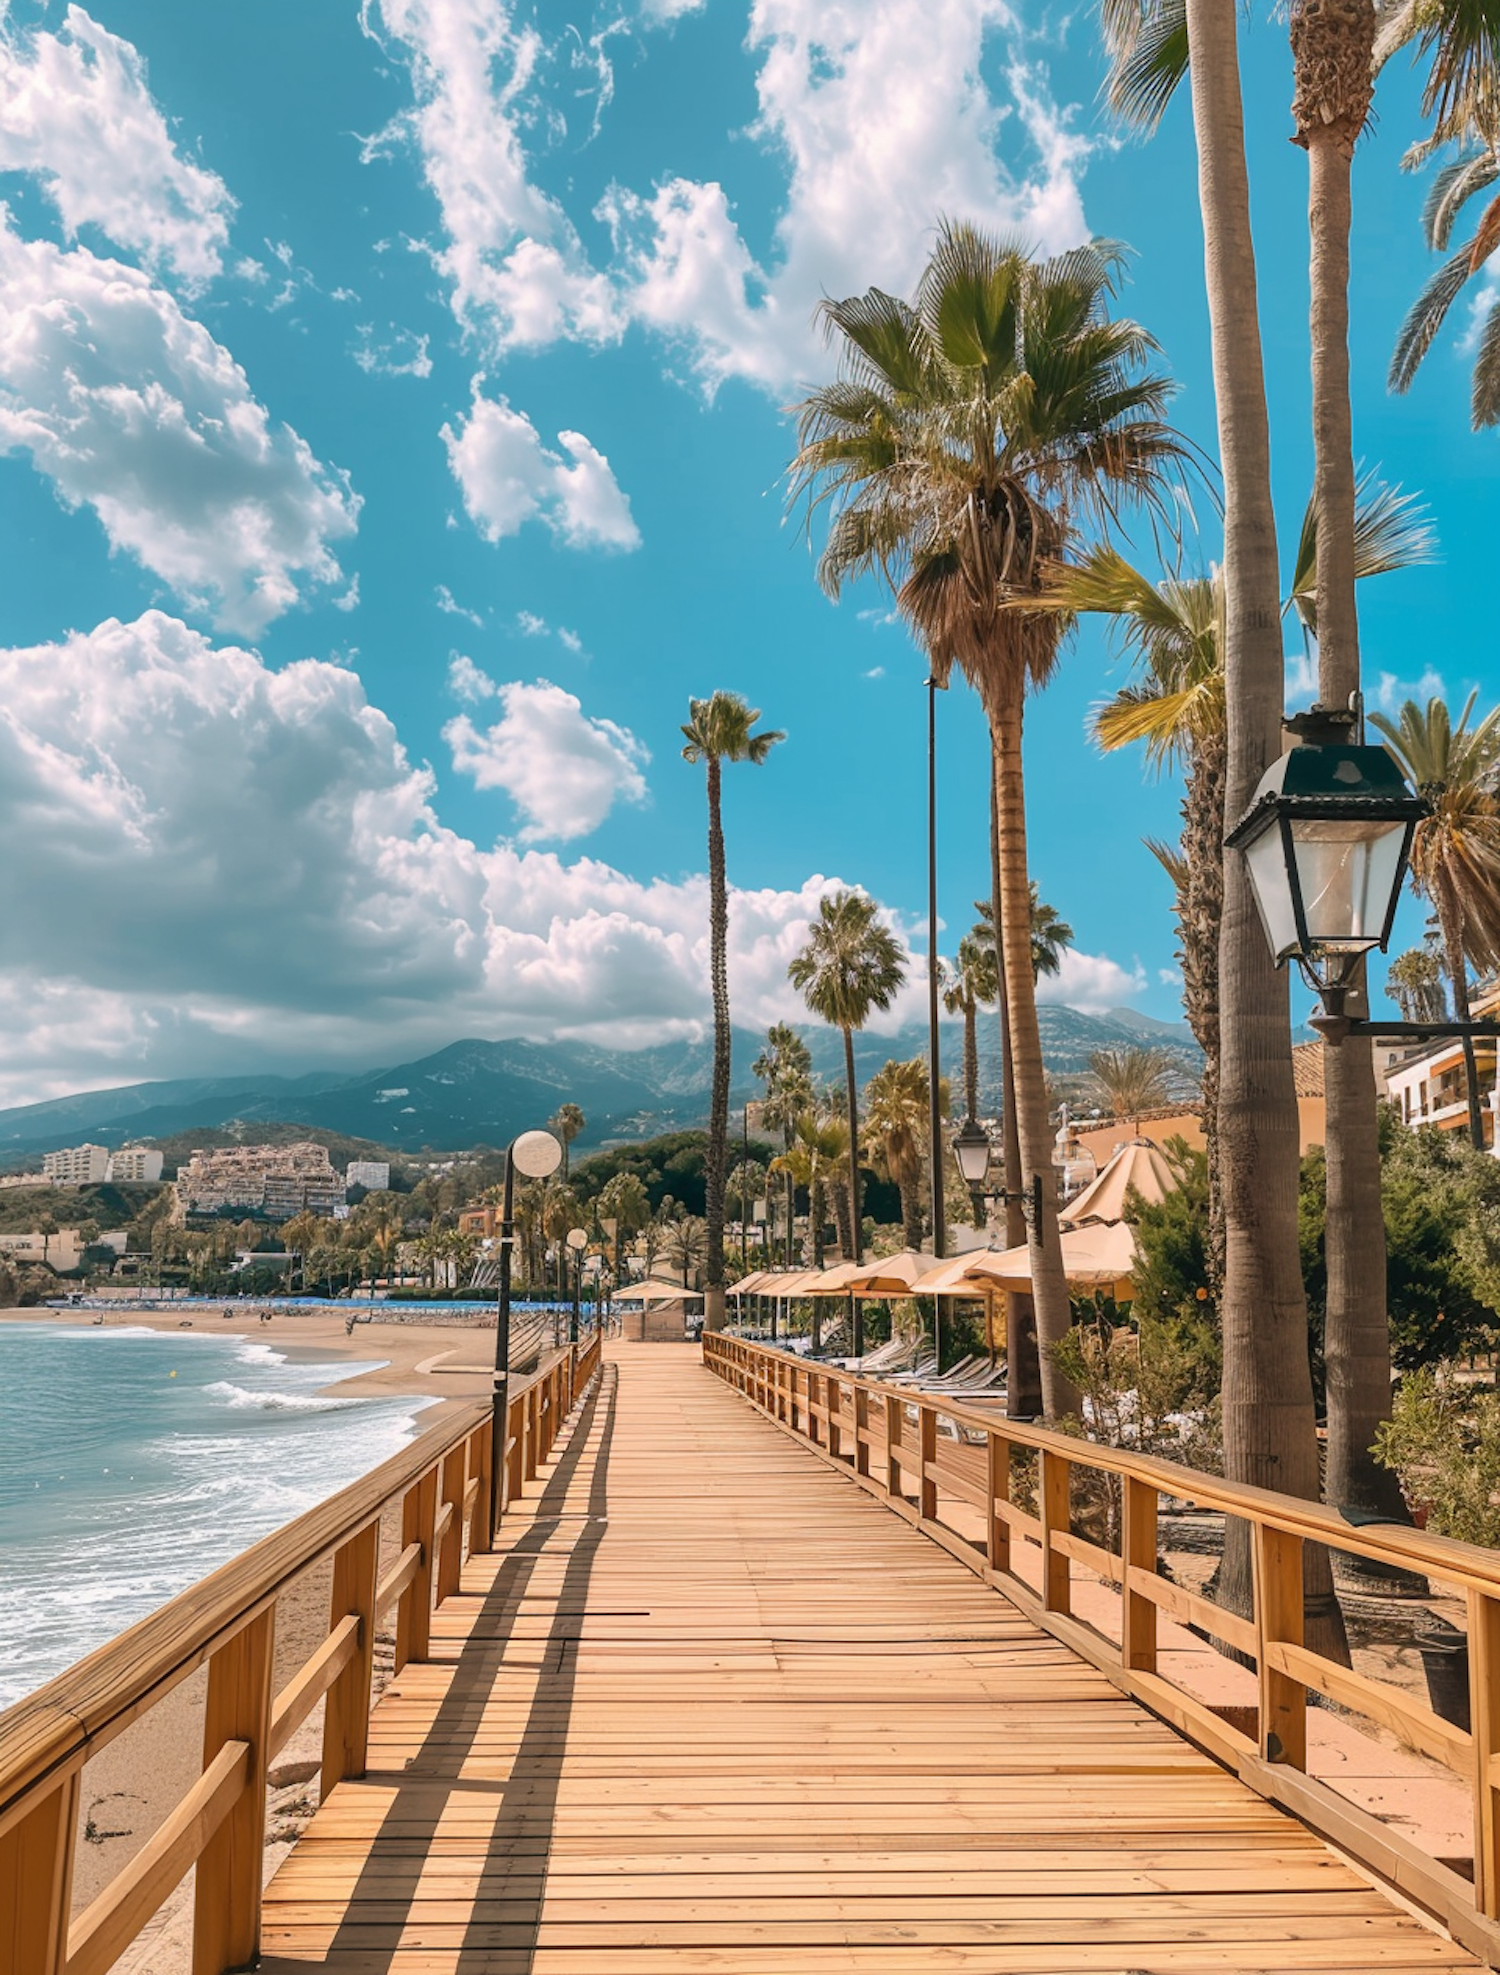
{"x": 135, "y": 1461}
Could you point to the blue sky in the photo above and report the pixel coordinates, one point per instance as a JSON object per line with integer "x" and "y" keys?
{"x": 391, "y": 413}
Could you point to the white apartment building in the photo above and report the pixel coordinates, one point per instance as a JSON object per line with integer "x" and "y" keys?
{"x": 279, "y": 1180}
{"x": 374, "y": 1175}
{"x": 135, "y": 1165}
{"x": 77, "y": 1165}
{"x": 60, "y": 1250}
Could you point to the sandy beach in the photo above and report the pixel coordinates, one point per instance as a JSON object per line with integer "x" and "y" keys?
{"x": 131, "y": 1787}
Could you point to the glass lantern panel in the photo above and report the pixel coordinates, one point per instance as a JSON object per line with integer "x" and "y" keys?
{"x": 1347, "y": 872}
{"x": 1272, "y": 885}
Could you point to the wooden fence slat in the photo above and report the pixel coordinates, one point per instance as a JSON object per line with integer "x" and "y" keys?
{"x": 419, "y": 1526}
{"x": 36, "y": 1882}
{"x": 226, "y": 1895}
{"x": 346, "y": 1720}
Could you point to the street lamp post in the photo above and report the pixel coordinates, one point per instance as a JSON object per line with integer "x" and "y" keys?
{"x": 973, "y": 1152}
{"x": 536, "y": 1155}
{"x": 577, "y": 1241}
{"x": 934, "y": 1049}
{"x": 1326, "y": 839}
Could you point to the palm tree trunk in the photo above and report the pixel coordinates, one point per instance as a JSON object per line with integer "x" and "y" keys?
{"x": 1049, "y": 1285}
{"x": 1270, "y": 1433}
{"x": 1023, "y": 1370}
{"x": 1200, "y": 910}
{"x": 855, "y": 1252}
{"x": 1357, "y": 1335}
{"x": 718, "y": 1113}
{"x": 911, "y": 1210}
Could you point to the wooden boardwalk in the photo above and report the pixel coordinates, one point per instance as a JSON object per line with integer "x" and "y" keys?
{"x": 710, "y": 1707}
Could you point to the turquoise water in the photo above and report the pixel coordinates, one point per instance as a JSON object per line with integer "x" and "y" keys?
{"x": 132, "y": 1462}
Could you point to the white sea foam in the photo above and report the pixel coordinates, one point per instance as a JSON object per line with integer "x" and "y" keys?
{"x": 260, "y": 1354}
{"x": 238, "y": 1399}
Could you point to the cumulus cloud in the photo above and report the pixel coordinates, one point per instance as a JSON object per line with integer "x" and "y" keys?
{"x": 1092, "y": 983}
{"x": 132, "y": 409}
{"x": 265, "y": 882}
{"x": 76, "y": 111}
{"x": 508, "y": 477}
{"x": 562, "y": 769}
{"x": 870, "y": 165}
{"x": 516, "y": 269}
{"x": 467, "y": 682}
{"x": 1391, "y": 690}
{"x": 449, "y": 605}
{"x": 401, "y": 353}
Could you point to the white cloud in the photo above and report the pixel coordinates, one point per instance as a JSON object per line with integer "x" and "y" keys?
{"x": 1391, "y": 691}
{"x": 883, "y": 119}
{"x": 402, "y": 353}
{"x": 467, "y": 682}
{"x": 75, "y": 110}
{"x": 265, "y": 883}
{"x": 876, "y": 672}
{"x": 517, "y": 271}
{"x": 530, "y": 625}
{"x": 132, "y": 409}
{"x": 449, "y": 605}
{"x": 1092, "y": 983}
{"x": 563, "y": 770}
{"x": 509, "y": 477}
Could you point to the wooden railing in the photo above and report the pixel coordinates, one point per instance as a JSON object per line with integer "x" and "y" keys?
{"x": 227, "y": 1621}
{"x": 959, "y": 1490}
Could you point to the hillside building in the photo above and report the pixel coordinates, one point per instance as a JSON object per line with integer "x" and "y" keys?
{"x": 77, "y": 1165}
{"x": 276, "y": 1180}
{"x": 57, "y": 1251}
{"x": 135, "y": 1165}
{"x": 374, "y": 1175}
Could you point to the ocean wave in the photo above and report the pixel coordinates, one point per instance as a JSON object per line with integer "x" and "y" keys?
{"x": 259, "y": 1354}
{"x": 239, "y": 1399}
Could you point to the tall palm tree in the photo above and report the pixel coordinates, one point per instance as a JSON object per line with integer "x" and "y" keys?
{"x": 1269, "y": 1424}
{"x": 624, "y": 1201}
{"x": 1455, "y": 853}
{"x": 685, "y": 1245}
{"x": 1051, "y": 935}
{"x": 897, "y": 1126}
{"x": 719, "y": 729}
{"x": 566, "y": 1122}
{"x": 966, "y": 437}
{"x": 784, "y": 1067}
{"x": 972, "y": 986}
{"x": 851, "y": 967}
{"x": 1415, "y": 980}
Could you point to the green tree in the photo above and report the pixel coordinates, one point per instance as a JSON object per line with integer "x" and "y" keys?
{"x": 720, "y": 729}
{"x": 973, "y": 985}
{"x": 1133, "y": 1079}
{"x": 685, "y": 1246}
{"x": 566, "y": 1122}
{"x": 784, "y": 1068}
{"x": 624, "y": 1201}
{"x": 966, "y": 436}
{"x": 851, "y": 967}
{"x": 897, "y": 1124}
{"x": 1414, "y": 980}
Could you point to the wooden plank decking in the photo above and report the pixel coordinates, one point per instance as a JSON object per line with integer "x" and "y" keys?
{"x": 711, "y": 1707}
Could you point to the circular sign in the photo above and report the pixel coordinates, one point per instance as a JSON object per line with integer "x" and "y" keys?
{"x": 536, "y": 1154}
{"x": 576, "y": 1238}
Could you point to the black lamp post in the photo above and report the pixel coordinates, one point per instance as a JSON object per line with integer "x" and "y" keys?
{"x": 577, "y": 1241}
{"x": 1326, "y": 840}
{"x": 974, "y": 1152}
{"x": 934, "y": 1049}
{"x": 535, "y": 1155}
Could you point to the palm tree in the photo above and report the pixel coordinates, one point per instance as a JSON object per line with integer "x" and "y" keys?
{"x": 851, "y": 967}
{"x": 817, "y": 1155}
{"x": 720, "y": 729}
{"x": 1415, "y": 980}
{"x": 973, "y": 986}
{"x": 686, "y": 1245}
{"x": 784, "y": 1066}
{"x": 965, "y": 437}
{"x": 896, "y": 1125}
{"x": 1134, "y": 1080}
{"x": 566, "y": 1122}
{"x": 624, "y": 1201}
{"x": 1460, "y": 97}
{"x": 1455, "y": 853}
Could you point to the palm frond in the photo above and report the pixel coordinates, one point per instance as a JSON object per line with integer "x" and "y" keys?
{"x": 1455, "y": 184}
{"x": 1484, "y": 400}
{"x": 1425, "y": 319}
{"x": 1392, "y": 530}
{"x": 1145, "y": 71}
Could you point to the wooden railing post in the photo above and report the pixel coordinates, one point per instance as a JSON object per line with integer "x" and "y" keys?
{"x": 226, "y": 1894}
{"x": 515, "y": 1441}
{"x": 450, "y": 1549}
{"x": 997, "y": 1529}
{"x": 1053, "y": 1490}
{"x": 414, "y": 1608}
{"x": 1278, "y": 1621}
{"x": 36, "y": 1883}
{"x": 927, "y": 1458}
{"x": 1484, "y": 1723}
{"x": 481, "y": 1454}
{"x": 346, "y": 1719}
{"x": 1137, "y": 1552}
{"x": 893, "y": 1425}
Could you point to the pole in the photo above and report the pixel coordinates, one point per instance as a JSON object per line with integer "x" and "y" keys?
{"x": 501, "y": 1392}
{"x": 577, "y": 1287}
{"x": 744, "y": 1202}
{"x": 934, "y": 1047}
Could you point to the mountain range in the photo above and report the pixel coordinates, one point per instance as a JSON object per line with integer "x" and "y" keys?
{"x": 481, "y": 1093}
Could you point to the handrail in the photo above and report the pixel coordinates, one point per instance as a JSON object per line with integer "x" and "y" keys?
{"x": 227, "y": 1620}
{"x": 886, "y": 1438}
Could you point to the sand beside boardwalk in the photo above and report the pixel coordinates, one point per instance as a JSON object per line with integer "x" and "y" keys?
{"x": 132, "y": 1786}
